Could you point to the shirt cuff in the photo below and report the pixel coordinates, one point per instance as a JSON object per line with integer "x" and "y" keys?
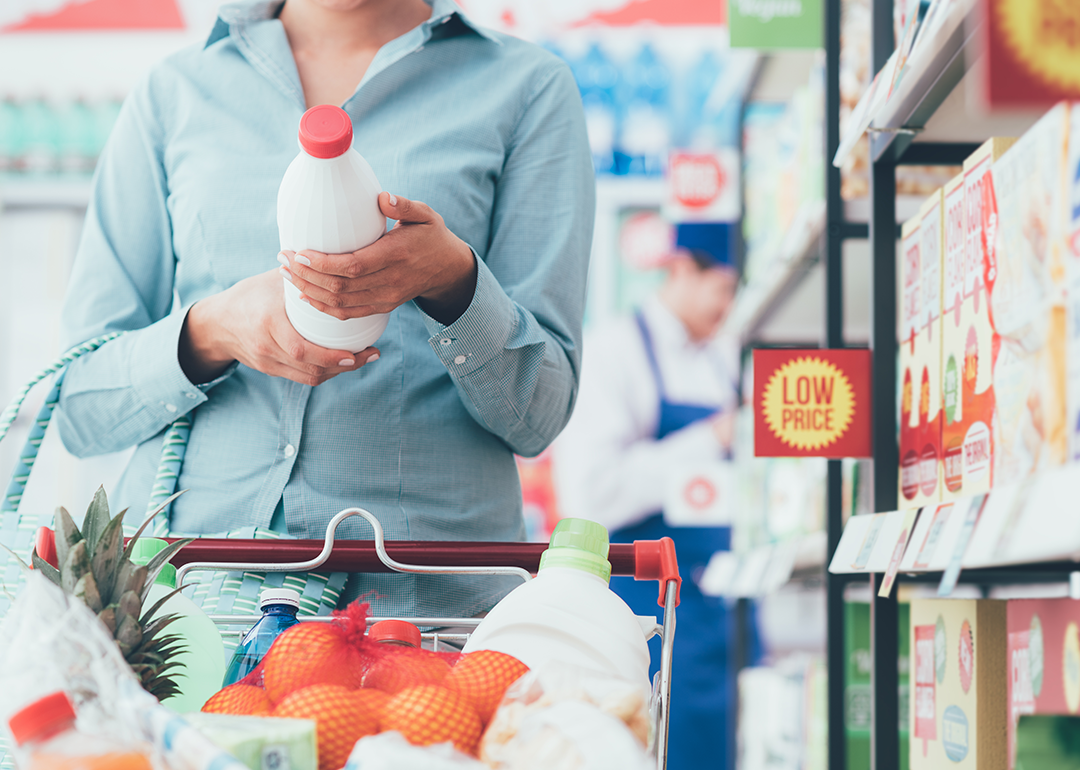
{"x": 156, "y": 376}
{"x": 482, "y": 331}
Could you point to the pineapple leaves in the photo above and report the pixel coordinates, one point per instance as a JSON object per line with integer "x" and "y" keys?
{"x": 149, "y": 518}
{"x": 148, "y": 614}
{"x": 107, "y": 553}
{"x": 46, "y": 569}
{"x": 158, "y": 562}
{"x": 97, "y": 519}
{"x": 74, "y": 567}
{"x": 67, "y": 535}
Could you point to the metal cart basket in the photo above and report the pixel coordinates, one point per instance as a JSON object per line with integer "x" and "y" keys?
{"x": 644, "y": 560}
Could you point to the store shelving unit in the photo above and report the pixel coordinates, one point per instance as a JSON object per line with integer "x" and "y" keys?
{"x": 894, "y": 142}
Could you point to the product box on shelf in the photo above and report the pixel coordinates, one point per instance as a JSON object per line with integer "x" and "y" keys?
{"x": 959, "y": 690}
{"x": 1023, "y": 216}
{"x": 1072, "y": 274}
{"x": 969, "y": 339}
{"x": 858, "y": 694}
{"x": 920, "y": 365}
{"x": 931, "y": 248}
{"x": 1044, "y": 660}
{"x": 966, "y": 345}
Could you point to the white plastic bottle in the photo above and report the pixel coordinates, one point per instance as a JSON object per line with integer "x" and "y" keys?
{"x": 202, "y": 663}
{"x": 328, "y": 202}
{"x": 568, "y": 612}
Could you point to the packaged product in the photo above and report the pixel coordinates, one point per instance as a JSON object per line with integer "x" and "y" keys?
{"x": 967, "y": 336}
{"x": 1024, "y": 269}
{"x": 1044, "y": 660}
{"x": 261, "y": 742}
{"x": 931, "y": 227}
{"x": 920, "y": 361}
{"x": 972, "y": 331}
{"x": 959, "y": 690}
{"x": 1072, "y": 274}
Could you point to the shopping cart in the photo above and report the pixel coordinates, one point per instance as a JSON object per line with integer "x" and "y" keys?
{"x": 644, "y": 560}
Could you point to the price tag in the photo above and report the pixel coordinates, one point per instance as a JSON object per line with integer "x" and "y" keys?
{"x": 700, "y": 496}
{"x": 898, "y": 553}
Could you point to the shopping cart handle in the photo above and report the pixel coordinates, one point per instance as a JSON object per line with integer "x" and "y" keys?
{"x": 655, "y": 560}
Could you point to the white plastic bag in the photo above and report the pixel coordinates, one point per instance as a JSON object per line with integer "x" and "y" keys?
{"x": 50, "y": 641}
{"x": 570, "y": 717}
{"x": 390, "y": 751}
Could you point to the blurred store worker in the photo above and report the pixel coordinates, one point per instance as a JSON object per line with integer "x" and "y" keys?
{"x": 658, "y": 397}
{"x": 485, "y": 281}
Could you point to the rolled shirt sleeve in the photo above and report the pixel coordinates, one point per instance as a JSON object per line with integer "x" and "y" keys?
{"x": 515, "y": 353}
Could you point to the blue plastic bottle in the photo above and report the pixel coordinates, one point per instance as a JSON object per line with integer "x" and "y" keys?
{"x": 598, "y": 80}
{"x": 279, "y": 607}
{"x": 645, "y": 132}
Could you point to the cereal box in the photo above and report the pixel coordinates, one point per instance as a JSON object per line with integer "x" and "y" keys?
{"x": 1024, "y": 268}
{"x": 1043, "y": 660}
{"x": 958, "y": 710}
{"x": 1072, "y": 273}
{"x": 968, "y": 342}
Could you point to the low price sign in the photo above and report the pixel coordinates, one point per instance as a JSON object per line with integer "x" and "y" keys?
{"x": 812, "y": 403}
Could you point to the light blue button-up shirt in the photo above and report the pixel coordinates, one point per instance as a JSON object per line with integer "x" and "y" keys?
{"x": 486, "y": 129}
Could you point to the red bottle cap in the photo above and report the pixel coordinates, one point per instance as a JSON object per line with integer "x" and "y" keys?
{"x": 42, "y": 718}
{"x": 395, "y": 631}
{"x": 325, "y": 131}
{"x": 45, "y": 545}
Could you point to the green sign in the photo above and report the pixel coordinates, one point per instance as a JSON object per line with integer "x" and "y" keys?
{"x": 775, "y": 24}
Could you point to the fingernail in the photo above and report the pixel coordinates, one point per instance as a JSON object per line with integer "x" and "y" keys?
{"x": 302, "y": 260}
{"x": 373, "y": 358}
{"x": 305, "y": 299}
{"x": 282, "y": 258}
{"x": 346, "y": 362}
{"x": 285, "y": 274}
{"x": 393, "y": 199}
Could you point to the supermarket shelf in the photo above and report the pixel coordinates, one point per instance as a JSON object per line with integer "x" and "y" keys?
{"x": 1018, "y": 534}
{"x": 924, "y": 88}
{"x": 44, "y": 193}
{"x": 766, "y": 569}
{"x": 794, "y": 258}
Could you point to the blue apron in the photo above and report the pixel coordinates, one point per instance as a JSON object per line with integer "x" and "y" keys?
{"x": 702, "y": 686}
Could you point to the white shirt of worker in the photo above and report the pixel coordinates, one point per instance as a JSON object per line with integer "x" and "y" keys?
{"x": 607, "y": 465}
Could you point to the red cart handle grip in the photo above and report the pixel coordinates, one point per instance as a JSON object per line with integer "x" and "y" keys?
{"x": 655, "y": 560}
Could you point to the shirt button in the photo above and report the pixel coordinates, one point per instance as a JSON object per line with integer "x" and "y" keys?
{"x": 445, "y": 341}
{"x": 170, "y": 407}
{"x": 459, "y": 360}
{"x": 191, "y": 395}
{"x": 290, "y": 450}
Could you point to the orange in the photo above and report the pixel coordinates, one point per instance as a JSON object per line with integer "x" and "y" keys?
{"x": 432, "y": 714}
{"x": 342, "y": 717}
{"x": 307, "y": 654}
{"x": 239, "y": 699}
{"x": 484, "y": 677}
{"x": 405, "y": 668}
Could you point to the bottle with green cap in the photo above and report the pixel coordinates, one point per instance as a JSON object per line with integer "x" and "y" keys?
{"x": 568, "y": 612}
{"x": 202, "y": 663}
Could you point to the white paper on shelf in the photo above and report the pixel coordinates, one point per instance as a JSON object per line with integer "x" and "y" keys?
{"x": 934, "y": 540}
{"x": 1000, "y": 504}
{"x": 869, "y": 106}
{"x": 718, "y": 578}
{"x": 868, "y": 543}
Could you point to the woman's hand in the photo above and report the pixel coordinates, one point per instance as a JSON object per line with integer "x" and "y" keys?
{"x": 247, "y": 323}
{"x": 418, "y": 259}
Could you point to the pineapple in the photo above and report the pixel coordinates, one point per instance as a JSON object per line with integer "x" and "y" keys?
{"x": 95, "y": 567}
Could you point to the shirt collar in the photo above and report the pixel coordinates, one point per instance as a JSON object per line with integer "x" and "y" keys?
{"x": 247, "y": 11}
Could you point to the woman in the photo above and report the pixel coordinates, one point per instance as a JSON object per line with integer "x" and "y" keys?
{"x": 485, "y": 278}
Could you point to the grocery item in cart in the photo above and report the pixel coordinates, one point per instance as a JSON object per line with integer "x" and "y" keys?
{"x": 568, "y": 612}
{"x": 47, "y": 739}
{"x": 279, "y": 607}
{"x": 261, "y": 743}
{"x": 342, "y": 717}
{"x": 202, "y": 660}
{"x": 400, "y": 633}
{"x": 328, "y": 202}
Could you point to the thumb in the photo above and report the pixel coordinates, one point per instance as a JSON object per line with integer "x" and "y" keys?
{"x": 404, "y": 210}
